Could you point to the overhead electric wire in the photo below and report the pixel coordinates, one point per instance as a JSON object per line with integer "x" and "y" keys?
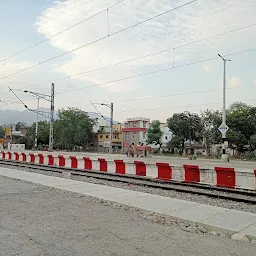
{"x": 60, "y": 32}
{"x": 99, "y": 111}
{"x": 143, "y": 56}
{"x": 181, "y": 106}
{"x": 97, "y": 40}
{"x": 154, "y": 72}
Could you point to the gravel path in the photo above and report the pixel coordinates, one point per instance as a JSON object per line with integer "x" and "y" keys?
{"x": 41, "y": 221}
{"x": 168, "y": 193}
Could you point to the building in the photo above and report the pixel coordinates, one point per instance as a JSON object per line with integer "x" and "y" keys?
{"x": 135, "y": 131}
{"x": 103, "y": 135}
{"x": 166, "y": 137}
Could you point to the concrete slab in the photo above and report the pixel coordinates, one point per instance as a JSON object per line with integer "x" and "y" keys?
{"x": 216, "y": 218}
{"x": 198, "y": 213}
{"x": 250, "y": 231}
{"x": 231, "y": 220}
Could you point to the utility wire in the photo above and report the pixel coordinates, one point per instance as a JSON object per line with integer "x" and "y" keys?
{"x": 143, "y": 56}
{"x": 60, "y": 32}
{"x": 180, "y": 106}
{"x": 154, "y": 72}
{"x": 99, "y": 112}
{"x": 38, "y": 112}
{"x": 97, "y": 40}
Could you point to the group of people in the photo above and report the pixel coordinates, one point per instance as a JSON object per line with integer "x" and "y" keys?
{"x": 139, "y": 150}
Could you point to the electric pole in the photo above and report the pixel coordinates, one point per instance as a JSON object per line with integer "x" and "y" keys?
{"x": 36, "y": 133}
{"x": 111, "y": 127}
{"x": 47, "y": 114}
{"x": 223, "y": 127}
{"x": 51, "y": 118}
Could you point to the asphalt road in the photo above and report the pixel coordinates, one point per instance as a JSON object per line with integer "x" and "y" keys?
{"x": 40, "y": 221}
{"x": 177, "y": 161}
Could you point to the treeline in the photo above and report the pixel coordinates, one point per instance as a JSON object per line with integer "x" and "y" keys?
{"x": 241, "y": 119}
{"x": 72, "y": 128}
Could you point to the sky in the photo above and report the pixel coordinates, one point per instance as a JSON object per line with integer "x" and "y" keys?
{"x": 163, "y": 66}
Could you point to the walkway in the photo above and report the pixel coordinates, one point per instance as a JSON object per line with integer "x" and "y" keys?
{"x": 213, "y": 218}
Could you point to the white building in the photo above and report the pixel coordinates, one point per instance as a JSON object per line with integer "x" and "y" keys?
{"x": 166, "y": 137}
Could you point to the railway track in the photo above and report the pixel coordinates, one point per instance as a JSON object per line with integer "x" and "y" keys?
{"x": 236, "y": 195}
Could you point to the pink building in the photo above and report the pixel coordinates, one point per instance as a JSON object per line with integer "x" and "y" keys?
{"x": 135, "y": 131}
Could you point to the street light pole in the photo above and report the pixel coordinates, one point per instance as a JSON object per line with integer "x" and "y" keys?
{"x": 36, "y": 133}
{"x": 224, "y": 126}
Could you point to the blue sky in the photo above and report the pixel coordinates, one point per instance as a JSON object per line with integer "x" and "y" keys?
{"x": 175, "y": 90}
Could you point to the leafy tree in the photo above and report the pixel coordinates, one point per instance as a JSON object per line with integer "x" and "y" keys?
{"x": 253, "y": 142}
{"x": 186, "y": 125}
{"x": 19, "y": 126}
{"x": 176, "y": 142}
{"x": 42, "y": 136}
{"x": 73, "y": 128}
{"x": 211, "y": 121}
{"x": 155, "y": 133}
{"x": 2, "y": 131}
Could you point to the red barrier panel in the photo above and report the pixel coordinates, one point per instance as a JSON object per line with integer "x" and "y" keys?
{"x": 164, "y": 171}
{"x": 17, "y": 156}
{"x": 87, "y": 163}
{"x": 50, "y": 160}
{"x": 192, "y": 173}
{"x": 62, "y": 161}
{"x": 32, "y": 158}
{"x": 120, "y": 166}
{"x": 3, "y": 154}
{"x": 226, "y": 177}
{"x": 41, "y": 158}
{"x": 103, "y": 165}
{"x": 140, "y": 168}
{"x": 9, "y": 155}
{"x": 24, "y": 157}
{"x": 74, "y": 162}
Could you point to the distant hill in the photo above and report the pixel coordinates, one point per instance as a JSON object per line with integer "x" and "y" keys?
{"x": 14, "y": 116}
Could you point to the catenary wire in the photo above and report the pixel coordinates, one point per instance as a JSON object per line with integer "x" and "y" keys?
{"x": 60, "y": 32}
{"x": 153, "y": 72}
{"x": 97, "y": 40}
{"x": 141, "y": 57}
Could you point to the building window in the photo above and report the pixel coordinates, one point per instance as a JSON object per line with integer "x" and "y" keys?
{"x": 144, "y": 135}
{"x": 101, "y": 136}
{"x": 134, "y": 124}
{"x": 144, "y": 124}
{"x": 106, "y": 136}
{"x": 127, "y": 135}
{"x": 166, "y": 137}
{"x": 115, "y": 136}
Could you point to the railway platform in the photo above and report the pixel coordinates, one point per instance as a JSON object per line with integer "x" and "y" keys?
{"x": 212, "y": 218}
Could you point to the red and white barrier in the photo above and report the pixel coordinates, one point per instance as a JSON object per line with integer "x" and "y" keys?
{"x": 219, "y": 176}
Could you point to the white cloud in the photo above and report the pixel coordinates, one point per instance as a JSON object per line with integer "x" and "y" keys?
{"x": 190, "y": 23}
{"x": 234, "y": 81}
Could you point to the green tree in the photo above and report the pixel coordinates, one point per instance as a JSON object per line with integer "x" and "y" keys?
{"x": 42, "y": 136}
{"x": 253, "y": 142}
{"x": 2, "y": 131}
{"x": 73, "y": 128}
{"x": 186, "y": 125}
{"x": 19, "y": 126}
{"x": 155, "y": 133}
{"x": 176, "y": 143}
{"x": 211, "y": 120}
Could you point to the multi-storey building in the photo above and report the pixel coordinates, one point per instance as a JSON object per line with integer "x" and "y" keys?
{"x": 135, "y": 131}
{"x": 103, "y": 135}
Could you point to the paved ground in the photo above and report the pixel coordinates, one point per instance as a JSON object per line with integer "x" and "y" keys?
{"x": 205, "y": 163}
{"x": 36, "y": 220}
